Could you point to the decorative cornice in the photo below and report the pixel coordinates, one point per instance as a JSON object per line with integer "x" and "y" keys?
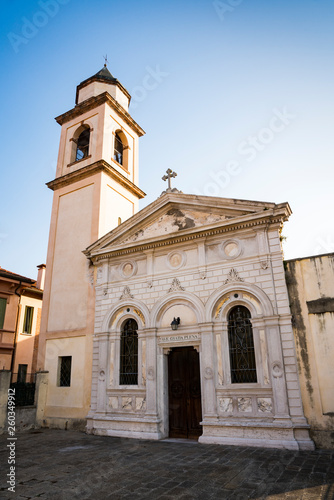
{"x": 98, "y": 166}
{"x": 94, "y": 102}
{"x": 172, "y": 240}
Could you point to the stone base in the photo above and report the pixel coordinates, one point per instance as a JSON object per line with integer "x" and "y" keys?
{"x": 258, "y": 434}
{"x": 125, "y": 426}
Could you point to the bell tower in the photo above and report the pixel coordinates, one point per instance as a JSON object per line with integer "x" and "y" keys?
{"x": 95, "y": 188}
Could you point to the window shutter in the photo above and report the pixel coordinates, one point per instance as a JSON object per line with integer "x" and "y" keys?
{"x": 3, "y": 304}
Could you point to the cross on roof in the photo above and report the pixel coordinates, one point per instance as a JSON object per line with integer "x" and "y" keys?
{"x": 105, "y": 60}
{"x": 168, "y": 177}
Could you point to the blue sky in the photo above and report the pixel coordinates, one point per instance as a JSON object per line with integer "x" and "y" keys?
{"x": 242, "y": 105}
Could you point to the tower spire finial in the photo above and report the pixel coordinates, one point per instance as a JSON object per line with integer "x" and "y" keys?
{"x": 105, "y": 60}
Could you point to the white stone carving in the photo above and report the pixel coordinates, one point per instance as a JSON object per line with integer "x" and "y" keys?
{"x": 265, "y": 405}
{"x": 126, "y": 294}
{"x": 264, "y": 264}
{"x": 232, "y": 276}
{"x": 277, "y": 369}
{"x": 113, "y": 403}
{"x": 176, "y": 286}
{"x": 173, "y": 221}
{"x": 102, "y": 376}
{"x": 230, "y": 249}
{"x": 127, "y": 403}
{"x": 140, "y": 404}
{"x": 225, "y": 405}
{"x": 208, "y": 373}
{"x": 128, "y": 269}
{"x": 245, "y": 404}
{"x": 175, "y": 260}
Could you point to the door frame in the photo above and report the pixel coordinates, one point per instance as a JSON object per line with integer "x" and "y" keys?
{"x": 167, "y": 351}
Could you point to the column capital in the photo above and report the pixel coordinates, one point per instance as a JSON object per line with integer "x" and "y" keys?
{"x": 206, "y": 327}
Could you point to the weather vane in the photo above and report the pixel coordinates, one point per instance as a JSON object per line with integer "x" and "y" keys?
{"x": 105, "y": 60}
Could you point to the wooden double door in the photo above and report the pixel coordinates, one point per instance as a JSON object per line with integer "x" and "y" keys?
{"x": 184, "y": 392}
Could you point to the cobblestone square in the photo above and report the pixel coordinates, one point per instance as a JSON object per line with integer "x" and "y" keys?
{"x": 61, "y": 465}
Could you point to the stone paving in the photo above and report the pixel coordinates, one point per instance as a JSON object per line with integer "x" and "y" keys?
{"x": 61, "y": 465}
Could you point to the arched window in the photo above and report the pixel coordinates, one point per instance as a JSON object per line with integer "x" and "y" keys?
{"x": 129, "y": 354}
{"x": 83, "y": 145}
{"x": 118, "y": 149}
{"x": 241, "y": 346}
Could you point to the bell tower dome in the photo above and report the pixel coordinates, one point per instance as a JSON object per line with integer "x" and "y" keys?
{"x": 95, "y": 188}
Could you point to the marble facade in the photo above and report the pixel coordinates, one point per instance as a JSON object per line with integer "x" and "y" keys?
{"x": 196, "y": 258}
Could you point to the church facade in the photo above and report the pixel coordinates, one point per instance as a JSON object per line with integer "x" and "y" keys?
{"x": 193, "y": 334}
{"x": 176, "y": 322}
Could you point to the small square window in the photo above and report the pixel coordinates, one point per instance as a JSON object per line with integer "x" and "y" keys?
{"x": 65, "y": 364}
{"x": 28, "y": 315}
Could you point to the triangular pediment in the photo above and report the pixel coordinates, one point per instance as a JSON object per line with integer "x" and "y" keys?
{"x": 174, "y": 220}
{"x": 172, "y": 215}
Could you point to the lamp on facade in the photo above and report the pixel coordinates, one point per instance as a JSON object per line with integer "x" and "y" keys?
{"x": 175, "y": 323}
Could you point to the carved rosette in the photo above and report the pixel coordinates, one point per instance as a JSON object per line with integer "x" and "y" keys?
{"x": 277, "y": 369}
{"x": 208, "y": 373}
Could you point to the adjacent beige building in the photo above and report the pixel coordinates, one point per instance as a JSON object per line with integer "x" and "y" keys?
{"x": 20, "y": 315}
{"x": 311, "y": 290}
